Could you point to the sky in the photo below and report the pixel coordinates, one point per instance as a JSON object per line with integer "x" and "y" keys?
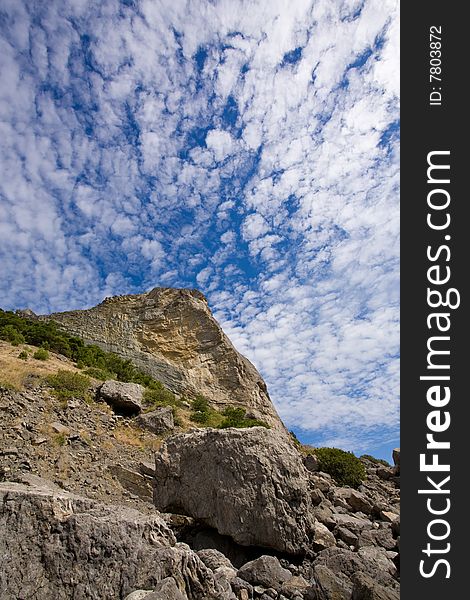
{"x": 249, "y": 149}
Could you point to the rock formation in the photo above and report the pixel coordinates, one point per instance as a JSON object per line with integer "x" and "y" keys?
{"x": 249, "y": 484}
{"x": 76, "y": 548}
{"x": 171, "y": 335}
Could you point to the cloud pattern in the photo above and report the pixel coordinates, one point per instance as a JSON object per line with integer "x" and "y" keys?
{"x": 249, "y": 148}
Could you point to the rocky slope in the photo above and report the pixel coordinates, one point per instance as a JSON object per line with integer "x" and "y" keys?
{"x": 171, "y": 335}
{"x": 105, "y": 497}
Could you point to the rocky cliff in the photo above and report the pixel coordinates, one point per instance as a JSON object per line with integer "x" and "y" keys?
{"x": 171, "y": 335}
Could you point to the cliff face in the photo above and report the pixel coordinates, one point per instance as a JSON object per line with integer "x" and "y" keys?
{"x": 171, "y": 335}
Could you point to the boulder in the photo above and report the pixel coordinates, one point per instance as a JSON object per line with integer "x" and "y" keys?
{"x": 365, "y": 588}
{"x": 157, "y": 421}
{"x": 124, "y": 398}
{"x": 213, "y": 559}
{"x": 396, "y": 457}
{"x": 134, "y": 482}
{"x": 311, "y": 463}
{"x": 77, "y": 548}
{"x": 249, "y": 484}
{"x": 357, "y": 501}
{"x": 266, "y": 571}
{"x": 322, "y": 537}
{"x": 294, "y": 586}
{"x": 330, "y": 585}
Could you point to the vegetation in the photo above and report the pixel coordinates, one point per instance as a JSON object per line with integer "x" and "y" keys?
{"x": 343, "y": 466}
{"x": 377, "y": 461}
{"x": 11, "y": 334}
{"x": 235, "y": 416}
{"x": 23, "y": 355}
{"x": 67, "y": 384}
{"x": 41, "y": 354}
{"x": 202, "y": 413}
{"x": 97, "y": 362}
{"x": 159, "y": 395}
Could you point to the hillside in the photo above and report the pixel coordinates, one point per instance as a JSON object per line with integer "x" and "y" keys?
{"x": 114, "y": 485}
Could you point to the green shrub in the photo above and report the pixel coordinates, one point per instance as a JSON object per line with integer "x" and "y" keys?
{"x": 100, "y": 374}
{"x": 23, "y": 355}
{"x": 41, "y": 354}
{"x": 235, "y": 416}
{"x": 67, "y": 384}
{"x": 12, "y": 335}
{"x": 377, "y": 461}
{"x": 343, "y": 466}
{"x": 159, "y": 395}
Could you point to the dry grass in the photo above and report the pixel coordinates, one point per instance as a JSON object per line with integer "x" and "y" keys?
{"x": 16, "y": 371}
{"x": 131, "y": 436}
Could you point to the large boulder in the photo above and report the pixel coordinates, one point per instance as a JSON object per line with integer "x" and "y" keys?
{"x": 249, "y": 484}
{"x": 124, "y": 398}
{"x": 74, "y": 547}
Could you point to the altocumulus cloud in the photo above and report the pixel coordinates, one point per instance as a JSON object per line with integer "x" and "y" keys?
{"x": 248, "y": 148}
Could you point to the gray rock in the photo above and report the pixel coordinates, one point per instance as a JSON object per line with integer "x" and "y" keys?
{"x": 322, "y": 537}
{"x": 124, "y": 398}
{"x": 59, "y": 428}
{"x": 134, "y": 482}
{"x": 330, "y": 585}
{"x": 213, "y": 559}
{"x": 167, "y": 590}
{"x": 365, "y": 588}
{"x": 157, "y": 421}
{"x": 249, "y": 484}
{"x": 294, "y": 586}
{"x": 353, "y": 523}
{"x": 311, "y": 462}
{"x": 348, "y": 537}
{"x": 138, "y": 595}
{"x": 77, "y": 548}
{"x": 357, "y": 501}
{"x": 266, "y": 571}
{"x": 396, "y": 457}
{"x": 240, "y": 586}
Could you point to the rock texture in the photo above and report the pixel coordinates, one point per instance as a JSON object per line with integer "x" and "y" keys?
{"x": 249, "y": 484}
{"x": 172, "y": 335}
{"x": 76, "y": 548}
{"x": 124, "y": 398}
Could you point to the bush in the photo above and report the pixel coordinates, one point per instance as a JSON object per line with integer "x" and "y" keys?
{"x": 343, "y": 466}
{"x": 235, "y": 416}
{"x": 23, "y": 355}
{"x": 12, "y": 335}
{"x": 41, "y": 354}
{"x": 67, "y": 384}
{"x": 159, "y": 395}
{"x": 377, "y": 461}
{"x": 96, "y": 373}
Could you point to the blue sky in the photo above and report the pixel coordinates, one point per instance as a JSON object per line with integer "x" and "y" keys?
{"x": 249, "y": 149}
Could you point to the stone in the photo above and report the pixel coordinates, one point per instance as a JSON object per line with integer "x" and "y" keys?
{"x": 157, "y": 421}
{"x": 324, "y": 514}
{"x": 365, "y": 588}
{"x": 134, "y": 482}
{"x": 250, "y": 484}
{"x": 322, "y": 537}
{"x": 311, "y": 462}
{"x": 294, "y": 586}
{"x": 371, "y": 560}
{"x": 167, "y": 590}
{"x": 353, "y": 523}
{"x": 138, "y": 595}
{"x": 171, "y": 335}
{"x": 331, "y": 586}
{"x": 265, "y": 571}
{"x": 357, "y": 501}
{"x": 124, "y": 398}
{"x": 348, "y": 537}
{"x": 60, "y": 428}
{"x": 213, "y": 559}
{"x": 396, "y": 457}
{"x": 389, "y": 516}
{"x": 241, "y": 588}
